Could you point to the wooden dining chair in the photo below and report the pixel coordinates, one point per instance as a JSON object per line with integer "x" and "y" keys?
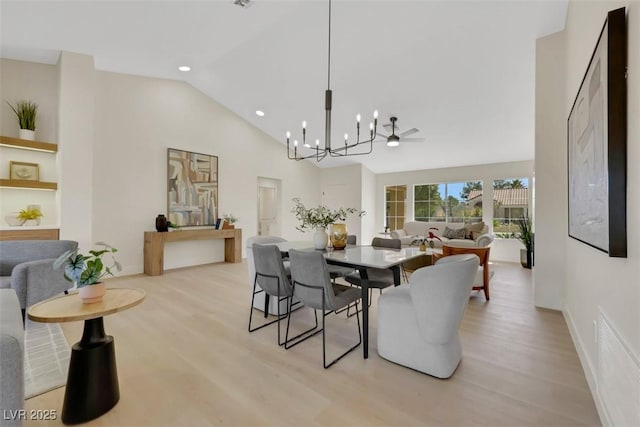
{"x": 482, "y": 280}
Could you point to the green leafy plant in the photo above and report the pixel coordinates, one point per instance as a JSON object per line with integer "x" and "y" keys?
{"x": 229, "y": 218}
{"x": 85, "y": 270}
{"x": 25, "y": 112}
{"x": 525, "y": 234}
{"x": 320, "y": 216}
{"x": 29, "y": 213}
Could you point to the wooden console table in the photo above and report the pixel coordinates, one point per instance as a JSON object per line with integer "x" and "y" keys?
{"x": 154, "y": 245}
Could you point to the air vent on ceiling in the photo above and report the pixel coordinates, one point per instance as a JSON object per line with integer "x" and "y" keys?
{"x": 243, "y": 3}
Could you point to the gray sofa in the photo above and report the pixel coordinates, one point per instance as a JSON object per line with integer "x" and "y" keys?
{"x": 26, "y": 266}
{"x": 11, "y": 359}
{"x": 475, "y": 235}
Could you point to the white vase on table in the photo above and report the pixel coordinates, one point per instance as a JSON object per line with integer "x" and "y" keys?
{"x": 320, "y": 238}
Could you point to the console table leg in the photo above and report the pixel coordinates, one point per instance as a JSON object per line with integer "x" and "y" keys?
{"x": 92, "y": 382}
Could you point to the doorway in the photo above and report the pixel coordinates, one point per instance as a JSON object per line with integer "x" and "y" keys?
{"x": 269, "y": 202}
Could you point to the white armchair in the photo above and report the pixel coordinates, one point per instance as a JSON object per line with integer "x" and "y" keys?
{"x": 418, "y": 323}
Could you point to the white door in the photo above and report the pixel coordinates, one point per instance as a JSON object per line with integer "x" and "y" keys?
{"x": 269, "y": 207}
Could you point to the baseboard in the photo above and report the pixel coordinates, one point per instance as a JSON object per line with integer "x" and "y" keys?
{"x": 589, "y": 371}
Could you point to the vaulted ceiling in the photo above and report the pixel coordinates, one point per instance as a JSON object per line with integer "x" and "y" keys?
{"x": 463, "y": 72}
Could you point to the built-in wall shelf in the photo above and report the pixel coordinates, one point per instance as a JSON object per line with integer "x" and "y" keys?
{"x": 21, "y": 183}
{"x": 24, "y": 144}
{"x": 29, "y": 233}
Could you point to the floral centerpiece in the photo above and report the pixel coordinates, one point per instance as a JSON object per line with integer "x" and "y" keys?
{"x": 319, "y": 218}
{"x": 429, "y": 239}
{"x": 86, "y": 271}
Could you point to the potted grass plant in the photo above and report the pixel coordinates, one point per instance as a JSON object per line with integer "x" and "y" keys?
{"x": 525, "y": 235}
{"x": 26, "y": 112}
{"x": 86, "y": 271}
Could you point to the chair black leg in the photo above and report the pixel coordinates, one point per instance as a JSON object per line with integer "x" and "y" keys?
{"x": 253, "y": 296}
{"x": 293, "y": 341}
{"x": 349, "y": 314}
{"x": 324, "y": 357}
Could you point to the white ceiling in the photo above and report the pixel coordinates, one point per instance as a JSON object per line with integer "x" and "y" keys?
{"x": 461, "y": 72}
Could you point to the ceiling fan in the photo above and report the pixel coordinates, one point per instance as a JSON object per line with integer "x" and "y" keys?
{"x": 394, "y": 140}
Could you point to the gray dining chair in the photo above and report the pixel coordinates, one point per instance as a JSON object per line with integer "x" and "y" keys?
{"x": 378, "y": 278}
{"x": 271, "y": 278}
{"x": 259, "y": 299}
{"x": 312, "y": 285}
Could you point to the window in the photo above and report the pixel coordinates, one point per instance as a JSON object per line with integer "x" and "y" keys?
{"x": 510, "y": 203}
{"x": 449, "y": 202}
{"x": 395, "y": 206}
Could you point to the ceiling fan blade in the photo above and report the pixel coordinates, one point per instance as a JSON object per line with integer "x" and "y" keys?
{"x": 412, "y": 139}
{"x": 382, "y": 136}
{"x": 408, "y": 132}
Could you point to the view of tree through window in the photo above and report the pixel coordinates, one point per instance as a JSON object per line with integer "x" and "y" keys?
{"x": 449, "y": 202}
{"x": 395, "y": 206}
{"x": 510, "y": 203}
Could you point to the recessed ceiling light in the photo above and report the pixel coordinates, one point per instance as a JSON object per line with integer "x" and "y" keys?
{"x": 259, "y": 113}
{"x": 184, "y": 68}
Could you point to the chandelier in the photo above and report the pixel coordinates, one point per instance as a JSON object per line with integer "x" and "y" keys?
{"x": 306, "y": 151}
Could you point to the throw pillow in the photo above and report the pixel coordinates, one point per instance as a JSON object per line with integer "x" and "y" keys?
{"x": 454, "y": 233}
{"x": 474, "y": 229}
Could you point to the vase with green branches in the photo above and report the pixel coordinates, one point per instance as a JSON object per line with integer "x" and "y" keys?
{"x": 319, "y": 218}
{"x": 525, "y": 235}
{"x": 26, "y": 112}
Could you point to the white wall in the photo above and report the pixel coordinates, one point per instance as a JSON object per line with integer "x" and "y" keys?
{"x": 594, "y": 282}
{"x": 342, "y": 188}
{"x": 551, "y": 160}
{"x": 137, "y": 119}
{"x": 114, "y": 133}
{"x": 76, "y": 158}
{"x": 500, "y": 250}
{"x": 368, "y": 203}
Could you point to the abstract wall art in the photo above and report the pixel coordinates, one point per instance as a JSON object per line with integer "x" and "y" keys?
{"x": 597, "y": 145}
{"x": 192, "y": 186}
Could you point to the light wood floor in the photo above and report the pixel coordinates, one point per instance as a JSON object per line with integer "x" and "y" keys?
{"x": 185, "y": 358}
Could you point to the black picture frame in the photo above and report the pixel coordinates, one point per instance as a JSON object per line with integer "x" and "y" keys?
{"x": 192, "y": 188}
{"x": 597, "y": 145}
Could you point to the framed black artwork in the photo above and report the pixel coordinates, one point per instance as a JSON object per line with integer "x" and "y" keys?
{"x": 597, "y": 145}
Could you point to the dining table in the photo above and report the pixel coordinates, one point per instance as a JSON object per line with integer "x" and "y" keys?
{"x": 361, "y": 258}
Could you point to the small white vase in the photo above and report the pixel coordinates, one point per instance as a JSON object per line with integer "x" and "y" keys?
{"x": 320, "y": 238}
{"x": 13, "y": 219}
{"x": 27, "y": 134}
{"x": 92, "y": 293}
